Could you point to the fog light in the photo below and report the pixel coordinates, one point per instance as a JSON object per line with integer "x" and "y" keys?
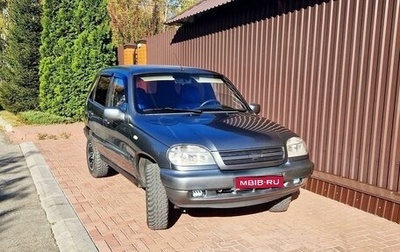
{"x": 293, "y": 182}
{"x": 296, "y": 181}
{"x": 198, "y": 193}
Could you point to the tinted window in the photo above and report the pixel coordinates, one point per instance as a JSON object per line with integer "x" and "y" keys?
{"x": 118, "y": 98}
{"x": 100, "y": 94}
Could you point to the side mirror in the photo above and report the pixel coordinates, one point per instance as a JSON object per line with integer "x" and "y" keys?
{"x": 255, "y": 107}
{"x": 114, "y": 114}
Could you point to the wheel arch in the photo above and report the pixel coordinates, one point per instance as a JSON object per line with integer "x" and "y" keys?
{"x": 141, "y": 162}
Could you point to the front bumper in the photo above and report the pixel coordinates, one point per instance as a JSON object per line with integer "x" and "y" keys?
{"x": 216, "y": 188}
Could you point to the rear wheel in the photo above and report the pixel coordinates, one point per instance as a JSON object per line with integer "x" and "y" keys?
{"x": 281, "y": 205}
{"x": 97, "y": 167}
{"x": 156, "y": 199}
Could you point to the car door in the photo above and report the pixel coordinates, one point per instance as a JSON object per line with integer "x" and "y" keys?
{"x": 117, "y": 140}
{"x": 96, "y": 104}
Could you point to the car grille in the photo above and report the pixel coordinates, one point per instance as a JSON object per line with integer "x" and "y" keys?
{"x": 269, "y": 156}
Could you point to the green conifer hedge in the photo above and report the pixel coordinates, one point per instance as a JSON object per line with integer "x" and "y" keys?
{"x": 76, "y": 43}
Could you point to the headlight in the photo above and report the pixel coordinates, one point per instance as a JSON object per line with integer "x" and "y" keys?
{"x": 296, "y": 147}
{"x": 189, "y": 155}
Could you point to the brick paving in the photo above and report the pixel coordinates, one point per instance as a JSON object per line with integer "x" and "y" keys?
{"x": 113, "y": 211}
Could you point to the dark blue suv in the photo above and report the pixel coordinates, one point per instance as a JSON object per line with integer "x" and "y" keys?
{"x": 189, "y": 138}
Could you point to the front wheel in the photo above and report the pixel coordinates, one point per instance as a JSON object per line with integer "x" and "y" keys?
{"x": 157, "y": 203}
{"x": 97, "y": 167}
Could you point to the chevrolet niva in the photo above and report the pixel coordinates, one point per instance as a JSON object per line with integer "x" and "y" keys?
{"x": 189, "y": 138}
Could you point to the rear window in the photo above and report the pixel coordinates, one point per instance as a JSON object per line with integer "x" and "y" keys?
{"x": 100, "y": 92}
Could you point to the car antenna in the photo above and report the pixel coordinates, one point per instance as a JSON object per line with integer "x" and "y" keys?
{"x": 177, "y": 61}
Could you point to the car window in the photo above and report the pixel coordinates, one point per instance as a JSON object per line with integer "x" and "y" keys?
{"x": 118, "y": 98}
{"x": 185, "y": 91}
{"x": 100, "y": 94}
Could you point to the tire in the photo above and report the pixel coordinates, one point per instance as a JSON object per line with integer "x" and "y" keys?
{"x": 157, "y": 203}
{"x": 281, "y": 205}
{"x": 97, "y": 167}
{"x": 141, "y": 166}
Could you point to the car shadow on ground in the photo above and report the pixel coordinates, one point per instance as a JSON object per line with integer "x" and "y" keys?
{"x": 175, "y": 214}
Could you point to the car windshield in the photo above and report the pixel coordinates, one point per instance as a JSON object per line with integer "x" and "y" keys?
{"x": 166, "y": 93}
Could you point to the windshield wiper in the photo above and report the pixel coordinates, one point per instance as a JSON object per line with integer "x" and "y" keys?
{"x": 169, "y": 109}
{"x": 224, "y": 109}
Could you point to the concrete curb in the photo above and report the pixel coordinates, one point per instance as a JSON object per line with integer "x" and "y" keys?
{"x": 69, "y": 232}
{"x": 7, "y": 127}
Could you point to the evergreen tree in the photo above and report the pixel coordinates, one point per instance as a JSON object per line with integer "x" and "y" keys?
{"x": 3, "y": 6}
{"x": 3, "y": 28}
{"x": 3, "y": 11}
{"x": 158, "y": 17}
{"x": 76, "y": 42}
{"x": 49, "y": 53}
{"x": 20, "y": 56}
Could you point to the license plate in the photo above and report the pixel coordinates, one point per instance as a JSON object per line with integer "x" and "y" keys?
{"x": 259, "y": 182}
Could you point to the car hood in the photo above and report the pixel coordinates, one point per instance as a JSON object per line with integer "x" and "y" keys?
{"x": 216, "y": 131}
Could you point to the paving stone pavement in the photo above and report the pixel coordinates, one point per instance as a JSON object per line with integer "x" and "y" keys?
{"x": 113, "y": 211}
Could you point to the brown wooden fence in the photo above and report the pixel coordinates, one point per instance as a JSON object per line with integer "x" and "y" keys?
{"x": 328, "y": 70}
